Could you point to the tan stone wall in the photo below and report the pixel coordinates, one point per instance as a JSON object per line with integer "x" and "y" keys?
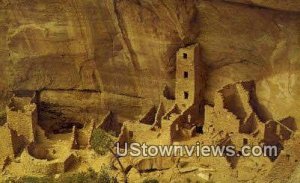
{"x": 166, "y": 132}
{"x": 221, "y": 119}
{"x": 109, "y": 123}
{"x": 23, "y": 122}
{"x": 189, "y": 77}
{"x": 84, "y": 135}
{"x": 232, "y": 111}
{"x": 245, "y": 98}
{"x": 149, "y": 117}
{"x": 250, "y": 124}
{"x": 175, "y": 120}
{"x": 170, "y": 129}
{"x": 44, "y": 168}
{"x": 69, "y": 162}
{"x": 31, "y": 165}
{"x": 123, "y": 136}
{"x": 239, "y": 140}
{"x": 159, "y": 115}
{"x": 6, "y": 144}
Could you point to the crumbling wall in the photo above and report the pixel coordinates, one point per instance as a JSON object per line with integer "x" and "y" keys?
{"x": 159, "y": 115}
{"x": 221, "y": 119}
{"x": 109, "y": 123}
{"x": 69, "y": 162}
{"x": 6, "y": 145}
{"x": 276, "y": 132}
{"x": 32, "y": 165}
{"x": 39, "y": 152}
{"x": 288, "y": 127}
{"x": 149, "y": 117}
{"x": 170, "y": 128}
{"x": 124, "y": 136}
{"x": 244, "y": 96}
{"x": 251, "y": 124}
{"x": 232, "y": 105}
{"x": 192, "y": 115}
{"x": 287, "y": 161}
{"x": 166, "y": 131}
{"x": 84, "y": 135}
{"x": 240, "y": 140}
{"x": 232, "y": 101}
{"x": 22, "y": 117}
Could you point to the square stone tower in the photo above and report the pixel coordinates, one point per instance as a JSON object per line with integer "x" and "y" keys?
{"x": 22, "y": 116}
{"x": 189, "y": 77}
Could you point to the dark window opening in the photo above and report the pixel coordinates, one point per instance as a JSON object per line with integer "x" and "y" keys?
{"x": 130, "y": 134}
{"x": 245, "y": 141}
{"x": 185, "y": 74}
{"x": 185, "y": 55}
{"x": 199, "y": 129}
{"x": 186, "y": 95}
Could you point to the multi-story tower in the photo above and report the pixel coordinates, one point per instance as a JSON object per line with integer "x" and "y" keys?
{"x": 181, "y": 120}
{"x": 189, "y": 77}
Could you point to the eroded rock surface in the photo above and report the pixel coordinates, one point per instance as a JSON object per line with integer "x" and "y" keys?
{"x": 128, "y": 47}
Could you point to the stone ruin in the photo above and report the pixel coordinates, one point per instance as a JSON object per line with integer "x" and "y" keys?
{"x": 234, "y": 119}
{"x": 177, "y": 118}
{"x": 30, "y": 149}
{"x": 20, "y": 128}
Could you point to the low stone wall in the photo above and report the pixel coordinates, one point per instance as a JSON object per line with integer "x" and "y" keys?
{"x": 36, "y": 166}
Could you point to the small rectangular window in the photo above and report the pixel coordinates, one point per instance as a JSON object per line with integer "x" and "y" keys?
{"x": 130, "y": 134}
{"x": 185, "y": 74}
{"x": 186, "y": 95}
{"x": 185, "y": 55}
{"x": 245, "y": 141}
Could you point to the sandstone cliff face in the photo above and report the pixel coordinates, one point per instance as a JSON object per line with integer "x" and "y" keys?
{"x": 288, "y": 5}
{"x": 127, "y": 47}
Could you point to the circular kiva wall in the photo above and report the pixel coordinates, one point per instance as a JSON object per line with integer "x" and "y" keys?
{"x": 36, "y": 160}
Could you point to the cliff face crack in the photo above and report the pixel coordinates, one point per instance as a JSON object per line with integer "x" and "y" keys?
{"x": 175, "y": 22}
{"x": 120, "y": 23}
{"x": 84, "y": 32}
{"x": 79, "y": 21}
{"x": 289, "y": 77}
{"x": 75, "y": 90}
{"x": 253, "y": 4}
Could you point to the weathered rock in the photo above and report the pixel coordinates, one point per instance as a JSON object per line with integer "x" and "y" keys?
{"x": 188, "y": 169}
{"x": 287, "y": 5}
{"x": 157, "y": 163}
{"x": 133, "y": 175}
{"x": 128, "y": 47}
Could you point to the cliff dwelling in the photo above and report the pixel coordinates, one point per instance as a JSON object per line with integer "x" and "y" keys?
{"x": 140, "y": 91}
